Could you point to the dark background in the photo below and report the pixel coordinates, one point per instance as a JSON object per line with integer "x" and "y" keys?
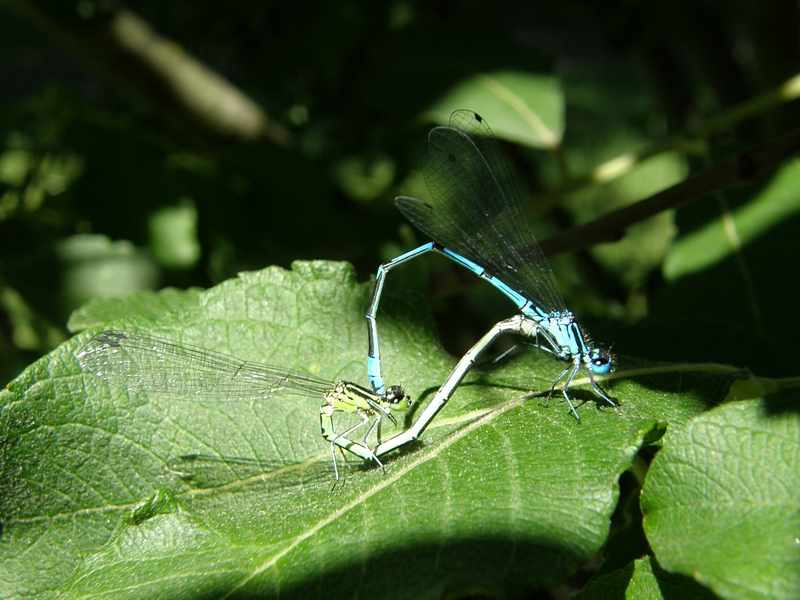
{"x": 94, "y": 143}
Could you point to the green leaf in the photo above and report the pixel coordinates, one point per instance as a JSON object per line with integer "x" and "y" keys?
{"x": 711, "y": 244}
{"x": 643, "y": 579}
{"x": 173, "y": 235}
{"x": 503, "y": 492}
{"x": 721, "y": 499}
{"x": 645, "y": 244}
{"x": 146, "y": 304}
{"x": 78, "y": 268}
{"x": 527, "y": 108}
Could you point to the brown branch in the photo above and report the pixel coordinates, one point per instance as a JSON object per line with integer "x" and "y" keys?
{"x": 735, "y": 171}
{"x": 158, "y": 72}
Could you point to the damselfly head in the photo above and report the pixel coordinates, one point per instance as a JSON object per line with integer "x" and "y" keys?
{"x": 601, "y": 361}
{"x": 396, "y": 398}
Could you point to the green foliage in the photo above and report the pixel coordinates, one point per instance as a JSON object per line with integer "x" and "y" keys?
{"x": 122, "y": 172}
{"x": 720, "y": 502}
{"x": 148, "y": 497}
{"x": 713, "y": 243}
{"x": 642, "y": 579}
{"x": 526, "y": 108}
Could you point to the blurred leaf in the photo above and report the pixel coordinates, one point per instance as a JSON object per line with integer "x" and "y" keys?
{"x": 503, "y": 490}
{"x": 526, "y": 108}
{"x": 711, "y": 244}
{"x": 363, "y": 179}
{"x": 173, "y": 235}
{"x": 75, "y": 269}
{"x": 15, "y": 166}
{"x": 99, "y": 268}
{"x": 720, "y": 502}
{"x": 34, "y": 176}
{"x": 645, "y": 244}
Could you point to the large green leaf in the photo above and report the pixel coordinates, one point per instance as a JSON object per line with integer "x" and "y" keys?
{"x": 722, "y": 499}
{"x": 503, "y": 492}
{"x": 707, "y": 246}
{"x": 527, "y": 108}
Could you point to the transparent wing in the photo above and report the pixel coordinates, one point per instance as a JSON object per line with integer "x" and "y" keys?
{"x": 478, "y": 211}
{"x": 164, "y": 368}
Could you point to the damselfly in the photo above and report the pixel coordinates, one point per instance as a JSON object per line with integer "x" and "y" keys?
{"x": 174, "y": 371}
{"x": 479, "y": 223}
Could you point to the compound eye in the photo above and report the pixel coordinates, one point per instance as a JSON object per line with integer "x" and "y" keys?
{"x": 395, "y": 394}
{"x": 601, "y": 361}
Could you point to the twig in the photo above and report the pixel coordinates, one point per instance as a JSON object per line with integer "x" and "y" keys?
{"x": 158, "y": 72}
{"x": 740, "y": 169}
